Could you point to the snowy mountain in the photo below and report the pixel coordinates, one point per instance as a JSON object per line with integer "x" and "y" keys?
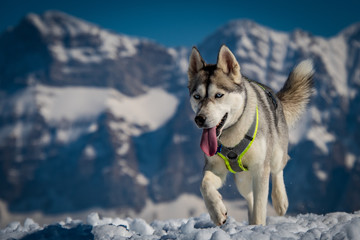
{"x": 74, "y": 100}
{"x": 88, "y": 112}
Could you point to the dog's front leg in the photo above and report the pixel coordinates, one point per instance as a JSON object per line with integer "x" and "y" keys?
{"x": 261, "y": 190}
{"x": 213, "y": 199}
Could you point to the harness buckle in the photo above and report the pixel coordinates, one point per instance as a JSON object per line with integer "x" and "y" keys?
{"x": 232, "y": 155}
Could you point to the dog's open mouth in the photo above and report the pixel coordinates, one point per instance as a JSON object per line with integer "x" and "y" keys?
{"x": 221, "y": 125}
{"x": 209, "y": 137}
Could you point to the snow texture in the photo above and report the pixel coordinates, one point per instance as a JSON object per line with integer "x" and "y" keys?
{"x": 71, "y": 105}
{"x": 338, "y": 225}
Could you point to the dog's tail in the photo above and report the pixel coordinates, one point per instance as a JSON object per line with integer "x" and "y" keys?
{"x": 296, "y": 92}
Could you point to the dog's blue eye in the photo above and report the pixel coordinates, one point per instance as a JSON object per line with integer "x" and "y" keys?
{"x": 197, "y": 96}
{"x": 219, "y": 95}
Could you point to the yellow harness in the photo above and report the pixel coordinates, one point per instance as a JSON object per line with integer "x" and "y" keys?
{"x": 233, "y": 156}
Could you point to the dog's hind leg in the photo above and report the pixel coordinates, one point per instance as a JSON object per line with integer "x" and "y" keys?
{"x": 278, "y": 194}
{"x": 213, "y": 199}
{"x": 243, "y": 182}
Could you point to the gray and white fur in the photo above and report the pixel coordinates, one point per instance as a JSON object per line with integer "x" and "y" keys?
{"x": 225, "y": 102}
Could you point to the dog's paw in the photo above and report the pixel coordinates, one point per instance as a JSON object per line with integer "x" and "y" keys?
{"x": 281, "y": 205}
{"x": 218, "y": 212}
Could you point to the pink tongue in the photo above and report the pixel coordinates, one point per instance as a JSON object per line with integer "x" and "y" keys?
{"x": 209, "y": 142}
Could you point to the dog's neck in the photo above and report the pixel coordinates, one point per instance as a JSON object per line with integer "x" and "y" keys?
{"x": 232, "y": 135}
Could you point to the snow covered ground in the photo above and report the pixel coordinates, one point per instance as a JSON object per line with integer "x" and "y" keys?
{"x": 183, "y": 218}
{"x": 185, "y": 206}
{"x": 337, "y": 225}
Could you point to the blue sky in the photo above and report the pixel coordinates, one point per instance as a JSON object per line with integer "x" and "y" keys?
{"x": 187, "y": 23}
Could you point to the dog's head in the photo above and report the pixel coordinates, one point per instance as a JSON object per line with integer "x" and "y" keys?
{"x": 216, "y": 95}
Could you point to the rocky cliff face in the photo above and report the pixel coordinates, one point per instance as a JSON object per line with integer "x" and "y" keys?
{"x": 86, "y": 110}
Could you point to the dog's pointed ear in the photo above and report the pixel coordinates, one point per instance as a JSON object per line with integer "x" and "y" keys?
{"x": 228, "y": 63}
{"x": 196, "y": 62}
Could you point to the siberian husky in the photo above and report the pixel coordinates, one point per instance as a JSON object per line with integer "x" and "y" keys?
{"x": 245, "y": 131}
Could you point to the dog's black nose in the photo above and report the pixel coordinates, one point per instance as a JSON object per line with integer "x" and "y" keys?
{"x": 200, "y": 120}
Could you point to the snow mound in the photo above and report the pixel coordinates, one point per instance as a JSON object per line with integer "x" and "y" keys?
{"x": 338, "y": 225}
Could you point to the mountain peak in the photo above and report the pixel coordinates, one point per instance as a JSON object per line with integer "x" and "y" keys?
{"x": 352, "y": 31}
{"x": 245, "y": 26}
{"x": 59, "y": 23}
{"x": 240, "y": 25}
{"x": 242, "y": 22}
